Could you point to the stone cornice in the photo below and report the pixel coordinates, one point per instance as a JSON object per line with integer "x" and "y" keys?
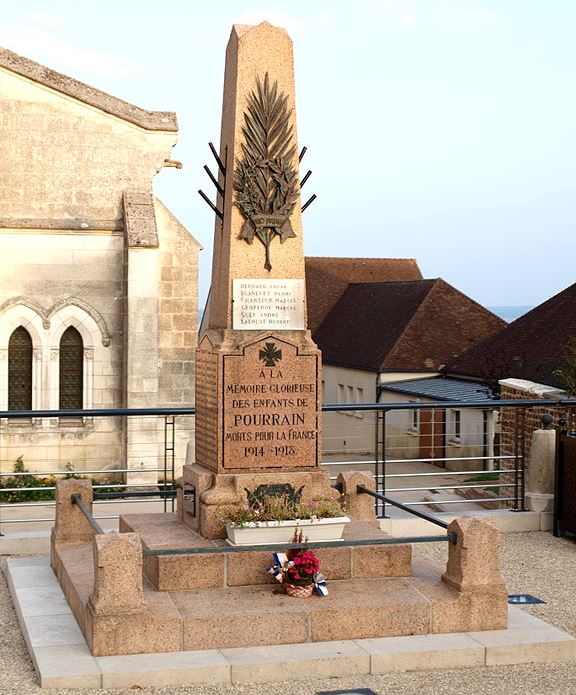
{"x": 150, "y": 120}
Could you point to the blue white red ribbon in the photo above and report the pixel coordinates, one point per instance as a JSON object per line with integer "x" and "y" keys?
{"x": 277, "y": 569}
{"x": 320, "y": 584}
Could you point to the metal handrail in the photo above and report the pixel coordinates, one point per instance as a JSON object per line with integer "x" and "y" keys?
{"x": 76, "y": 499}
{"x": 362, "y": 489}
{"x": 94, "y": 412}
{"x": 275, "y": 547}
{"x": 442, "y": 405}
{"x": 326, "y": 407}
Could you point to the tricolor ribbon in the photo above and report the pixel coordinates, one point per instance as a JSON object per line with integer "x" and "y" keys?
{"x": 277, "y": 569}
{"x": 320, "y": 584}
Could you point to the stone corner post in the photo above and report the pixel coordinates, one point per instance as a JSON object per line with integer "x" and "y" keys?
{"x": 358, "y": 505}
{"x": 117, "y": 575}
{"x": 474, "y": 560}
{"x": 541, "y": 471}
{"x": 70, "y": 523}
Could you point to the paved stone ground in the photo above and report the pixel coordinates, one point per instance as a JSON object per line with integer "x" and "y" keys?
{"x": 535, "y": 563}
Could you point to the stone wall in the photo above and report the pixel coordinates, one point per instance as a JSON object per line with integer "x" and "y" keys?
{"x": 52, "y": 280}
{"x": 81, "y": 246}
{"x": 178, "y": 322}
{"x": 66, "y": 163}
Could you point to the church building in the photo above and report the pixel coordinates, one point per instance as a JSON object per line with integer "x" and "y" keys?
{"x": 98, "y": 282}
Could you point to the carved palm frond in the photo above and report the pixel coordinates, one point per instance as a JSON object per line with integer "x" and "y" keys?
{"x": 265, "y": 179}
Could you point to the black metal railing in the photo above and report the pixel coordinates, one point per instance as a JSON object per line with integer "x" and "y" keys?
{"x": 76, "y": 499}
{"x": 386, "y": 461}
{"x": 451, "y": 536}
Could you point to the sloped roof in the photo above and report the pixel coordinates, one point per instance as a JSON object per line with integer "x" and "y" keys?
{"x": 150, "y": 120}
{"x": 402, "y": 326}
{"x": 441, "y": 389}
{"x": 532, "y": 347}
{"x": 327, "y": 279}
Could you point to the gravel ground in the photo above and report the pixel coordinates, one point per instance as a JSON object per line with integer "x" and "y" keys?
{"x": 535, "y": 563}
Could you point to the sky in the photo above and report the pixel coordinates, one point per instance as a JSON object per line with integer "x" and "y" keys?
{"x": 441, "y": 130}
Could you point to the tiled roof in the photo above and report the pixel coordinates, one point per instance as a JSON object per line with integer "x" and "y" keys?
{"x": 442, "y": 389}
{"x": 532, "y": 347}
{"x": 328, "y": 278}
{"x": 402, "y": 326}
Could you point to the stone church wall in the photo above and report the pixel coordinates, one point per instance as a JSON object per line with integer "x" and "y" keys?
{"x": 82, "y": 245}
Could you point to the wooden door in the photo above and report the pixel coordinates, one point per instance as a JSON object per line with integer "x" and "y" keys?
{"x": 433, "y": 436}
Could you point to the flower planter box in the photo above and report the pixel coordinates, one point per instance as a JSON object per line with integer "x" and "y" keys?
{"x": 270, "y": 532}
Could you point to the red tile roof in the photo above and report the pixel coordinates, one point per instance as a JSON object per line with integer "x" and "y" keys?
{"x": 532, "y": 347}
{"x": 328, "y": 278}
{"x": 402, "y": 326}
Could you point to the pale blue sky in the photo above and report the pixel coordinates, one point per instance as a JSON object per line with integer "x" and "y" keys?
{"x": 441, "y": 130}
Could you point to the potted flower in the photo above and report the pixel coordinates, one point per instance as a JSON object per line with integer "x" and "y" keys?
{"x": 300, "y": 573}
{"x": 265, "y": 519}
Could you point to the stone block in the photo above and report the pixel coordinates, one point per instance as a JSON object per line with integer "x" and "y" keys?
{"x": 358, "y": 506}
{"x": 156, "y": 630}
{"x": 67, "y": 666}
{"x": 117, "y": 574}
{"x": 362, "y": 609}
{"x": 423, "y": 653}
{"x": 522, "y": 646}
{"x": 375, "y": 561}
{"x": 249, "y": 568}
{"x": 163, "y": 670}
{"x": 246, "y": 616}
{"x": 54, "y": 630}
{"x": 180, "y": 572}
{"x": 297, "y": 662}
{"x": 70, "y": 523}
{"x": 474, "y": 560}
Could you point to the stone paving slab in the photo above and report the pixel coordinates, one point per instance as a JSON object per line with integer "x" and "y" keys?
{"x": 63, "y": 660}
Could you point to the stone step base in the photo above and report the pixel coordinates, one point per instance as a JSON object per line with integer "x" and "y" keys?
{"x": 183, "y": 572}
{"x": 247, "y": 616}
{"x": 63, "y": 660}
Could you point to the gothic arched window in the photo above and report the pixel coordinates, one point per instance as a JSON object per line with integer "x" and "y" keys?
{"x": 71, "y": 370}
{"x": 20, "y": 370}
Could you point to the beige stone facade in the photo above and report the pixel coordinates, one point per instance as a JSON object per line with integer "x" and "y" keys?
{"x": 85, "y": 244}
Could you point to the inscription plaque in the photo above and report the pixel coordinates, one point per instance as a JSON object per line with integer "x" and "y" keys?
{"x": 268, "y": 304}
{"x": 270, "y": 413}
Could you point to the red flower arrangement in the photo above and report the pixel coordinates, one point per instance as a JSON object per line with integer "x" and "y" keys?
{"x": 301, "y": 568}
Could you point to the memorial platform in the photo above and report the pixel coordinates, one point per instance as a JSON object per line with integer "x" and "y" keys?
{"x": 62, "y": 658}
{"x": 226, "y": 600}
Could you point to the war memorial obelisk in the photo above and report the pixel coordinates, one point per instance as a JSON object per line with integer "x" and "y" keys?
{"x": 257, "y": 368}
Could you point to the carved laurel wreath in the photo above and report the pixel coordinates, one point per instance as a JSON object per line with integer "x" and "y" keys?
{"x": 265, "y": 179}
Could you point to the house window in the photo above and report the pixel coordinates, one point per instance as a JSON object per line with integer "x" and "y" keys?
{"x": 341, "y": 393}
{"x": 71, "y": 370}
{"x": 456, "y": 424}
{"x": 414, "y": 419}
{"x": 359, "y": 398}
{"x": 20, "y": 370}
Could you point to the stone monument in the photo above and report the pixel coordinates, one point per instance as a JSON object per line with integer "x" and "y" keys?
{"x": 169, "y": 583}
{"x": 258, "y": 372}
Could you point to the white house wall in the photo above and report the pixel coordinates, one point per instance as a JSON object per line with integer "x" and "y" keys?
{"x": 347, "y": 435}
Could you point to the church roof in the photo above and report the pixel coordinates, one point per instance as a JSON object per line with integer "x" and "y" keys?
{"x": 150, "y": 120}
{"x": 402, "y": 326}
{"x": 532, "y": 347}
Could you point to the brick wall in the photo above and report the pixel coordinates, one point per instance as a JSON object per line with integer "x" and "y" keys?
{"x": 517, "y": 389}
